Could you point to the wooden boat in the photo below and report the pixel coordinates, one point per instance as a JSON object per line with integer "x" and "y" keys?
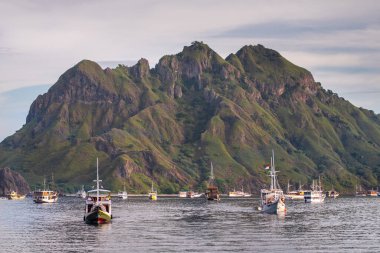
{"x": 122, "y": 194}
{"x": 98, "y": 203}
{"x": 45, "y": 195}
{"x": 238, "y": 194}
{"x": 273, "y": 199}
{"x": 372, "y": 193}
{"x": 315, "y": 195}
{"x": 152, "y": 194}
{"x": 15, "y": 196}
{"x": 212, "y": 192}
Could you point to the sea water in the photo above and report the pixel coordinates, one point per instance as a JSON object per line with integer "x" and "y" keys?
{"x": 192, "y": 225}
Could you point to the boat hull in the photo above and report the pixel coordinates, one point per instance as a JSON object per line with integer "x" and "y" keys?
{"x": 97, "y": 217}
{"x": 274, "y": 208}
{"x": 41, "y": 201}
{"x": 294, "y": 197}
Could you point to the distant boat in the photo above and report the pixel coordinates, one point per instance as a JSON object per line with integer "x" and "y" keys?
{"x": 122, "y": 194}
{"x": 152, "y": 194}
{"x": 315, "y": 195}
{"x": 45, "y": 195}
{"x": 237, "y": 194}
{"x": 295, "y": 194}
{"x": 191, "y": 194}
{"x": 360, "y": 192}
{"x": 332, "y": 194}
{"x": 273, "y": 200}
{"x": 98, "y": 203}
{"x": 81, "y": 193}
{"x": 372, "y": 193}
{"x": 182, "y": 194}
{"x": 15, "y": 196}
{"x": 212, "y": 192}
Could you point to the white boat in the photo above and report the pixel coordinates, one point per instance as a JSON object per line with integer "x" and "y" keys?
{"x": 45, "y": 195}
{"x": 273, "y": 200}
{"x": 15, "y": 196}
{"x": 182, "y": 194}
{"x": 152, "y": 194}
{"x": 98, "y": 203}
{"x": 315, "y": 195}
{"x": 81, "y": 193}
{"x": 238, "y": 194}
{"x": 296, "y": 194}
{"x": 122, "y": 194}
{"x": 360, "y": 192}
{"x": 191, "y": 194}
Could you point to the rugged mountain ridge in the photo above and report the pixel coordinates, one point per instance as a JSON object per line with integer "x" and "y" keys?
{"x": 12, "y": 181}
{"x": 168, "y": 123}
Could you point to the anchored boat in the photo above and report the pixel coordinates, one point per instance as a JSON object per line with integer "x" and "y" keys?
{"x": 82, "y": 193}
{"x": 212, "y": 192}
{"x": 315, "y": 195}
{"x": 123, "y": 194}
{"x": 152, "y": 194}
{"x": 273, "y": 200}
{"x": 15, "y": 196}
{"x": 98, "y": 203}
{"x": 45, "y": 195}
{"x": 237, "y": 194}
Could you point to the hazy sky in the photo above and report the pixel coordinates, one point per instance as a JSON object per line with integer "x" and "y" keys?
{"x": 338, "y": 41}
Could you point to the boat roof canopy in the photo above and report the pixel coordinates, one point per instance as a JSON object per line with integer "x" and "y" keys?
{"x": 100, "y": 190}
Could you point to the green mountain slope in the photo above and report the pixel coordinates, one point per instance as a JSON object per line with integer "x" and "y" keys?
{"x": 168, "y": 123}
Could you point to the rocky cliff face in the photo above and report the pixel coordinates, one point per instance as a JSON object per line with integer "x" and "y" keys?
{"x": 168, "y": 123}
{"x": 12, "y": 181}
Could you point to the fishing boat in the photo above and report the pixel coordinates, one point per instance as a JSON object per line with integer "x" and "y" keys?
{"x": 295, "y": 194}
{"x": 81, "y": 193}
{"x": 273, "y": 199}
{"x": 238, "y": 194}
{"x": 212, "y": 192}
{"x": 315, "y": 195}
{"x": 15, "y": 196}
{"x": 122, "y": 194}
{"x": 152, "y": 194}
{"x": 98, "y": 203}
{"x": 45, "y": 195}
{"x": 360, "y": 192}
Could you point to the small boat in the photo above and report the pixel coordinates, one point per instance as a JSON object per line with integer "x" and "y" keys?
{"x": 360, "y": 192}
{"x": 15, "y": 196}
{"x": 315, "y": 195}
{"x": 98, "y": 203}
{"x": 273, "y": 200}
{"x": 122, "y": 194}
{"x": 332, "y": 194}
{"x": 152, "y": 194}
{"x": 45, "y": 195}
{"x": 212, "y": 192}
{"x": 182, "y": 194}
{"x": 372, "y": 193}
{"x": 238, "y": 194}
{"x": 191, "y": 194}
{"x": 81, "y": 193}
{"x": 295, "y": 194}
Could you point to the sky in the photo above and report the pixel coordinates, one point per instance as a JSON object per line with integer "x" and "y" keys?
{"x": 338, "y": 41}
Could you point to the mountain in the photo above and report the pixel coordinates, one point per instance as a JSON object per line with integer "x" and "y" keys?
{"x": 12, "y": 181}
{"x": 169, "y": 122}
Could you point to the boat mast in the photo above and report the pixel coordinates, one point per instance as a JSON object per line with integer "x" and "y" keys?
{"x": 212, "y": 172}
{"x": 97, "y": 179}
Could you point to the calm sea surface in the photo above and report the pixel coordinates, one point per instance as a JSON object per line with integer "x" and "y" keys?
{"x": 192, "y": 225}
